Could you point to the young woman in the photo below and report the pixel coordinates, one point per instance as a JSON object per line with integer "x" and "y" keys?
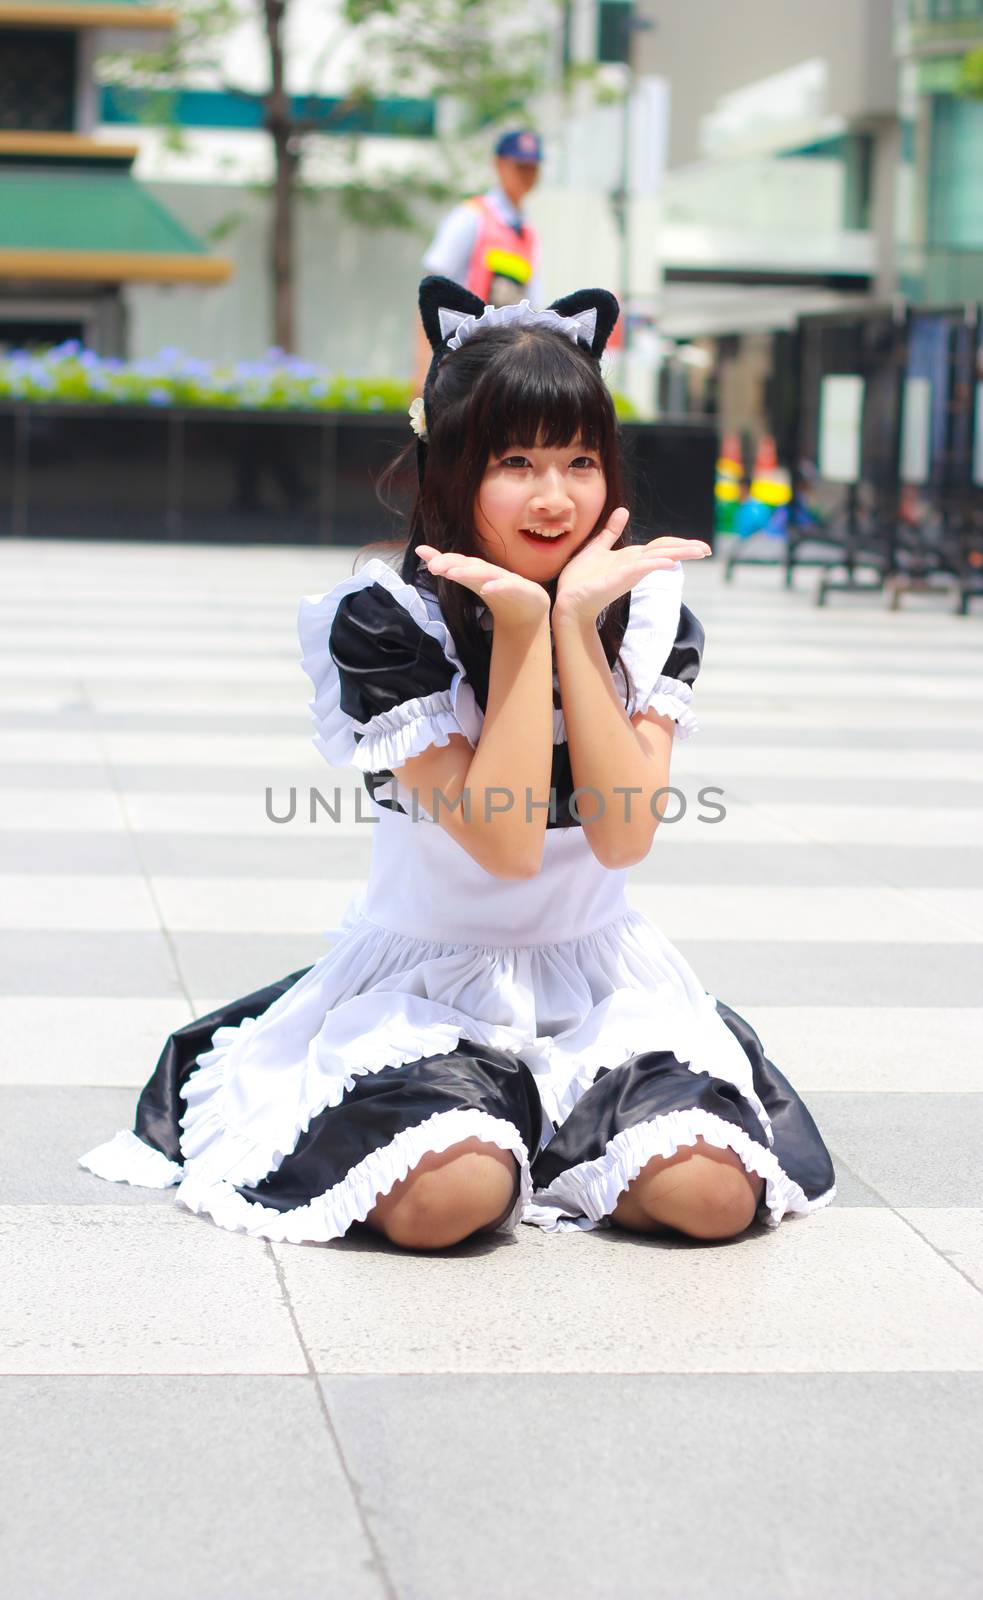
{"x": 495, "y": 1036}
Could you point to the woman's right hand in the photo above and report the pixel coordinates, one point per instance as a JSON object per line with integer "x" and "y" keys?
{"x": 512, "y": 600}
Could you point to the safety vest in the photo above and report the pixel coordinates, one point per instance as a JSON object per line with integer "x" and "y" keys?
{"x": 502, "y": 261}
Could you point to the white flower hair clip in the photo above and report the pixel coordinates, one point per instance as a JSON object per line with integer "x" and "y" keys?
{"x": 418, "y": 417}
{"x": 460, "y": 325}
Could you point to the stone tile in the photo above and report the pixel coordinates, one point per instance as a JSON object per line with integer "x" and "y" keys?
{"x": 960, "y": 768}
{"x": 45, "y": 1132}
{"x": 262, "y": 1505}
{"x": 845, "y": 1289}
{"x": 202, "y": 749}
{"x": 140, "y": 1289}
{"x": 237, "y": 701}
{"x": 850, "y": 1190}
{"x": 774, "y": 735}
{"x": 801, "y": 864}
{"x": 60, "y": 963}
{"x": 55, "y": 718}
{"x": 244, "y": 812}
{"x": 56, "y": 776}
{"x": 914, "y": 1149}
{"x": 85, "y": 1040}
{"x": 60, "y": 901}
{"x": 605, "y": 1486}
{"x": 25, "y": 701}
{"x": 876, "y": 824}
{"x": 788, "y": 717}
{"x": 773, "y": 788}
{"x": 910, "y": 1049}
{"x": 756, "y": 972}
{"x": 35, "y": 745}
{"x": 170, "y": 636}
{"x": 853, "y": 915}
{"x": 166, "y": 779}
{"x": 47, "y": 851}
{"x": 302, "y": 775}
{"x": 961, "y": 907}
{"x": 957, "y": 1234}
{"x": 918, "y": 689}
{"x": 106, "y": 666}
{"x": 60, "y": 810}
{"x": 234, "y": 964}
{"x": 310, "y": 856}
{"x": 675, "y": 862}
{"x": 799, "y": 654}
{"x": 282, "y": 855}
{"x": 21, "y": 690}
{"x": 289, "y": 905}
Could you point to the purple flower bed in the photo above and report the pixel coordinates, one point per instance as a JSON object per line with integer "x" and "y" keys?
{"x": 278, "y": 382}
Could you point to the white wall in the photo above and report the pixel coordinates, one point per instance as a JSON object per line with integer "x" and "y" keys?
{"x": 732, "y": 65}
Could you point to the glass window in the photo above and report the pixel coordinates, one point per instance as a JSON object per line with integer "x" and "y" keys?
{"x": 37, "y": 81}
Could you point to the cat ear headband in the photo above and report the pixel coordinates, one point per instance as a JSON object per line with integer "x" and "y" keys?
{"x": 452, "y": 314}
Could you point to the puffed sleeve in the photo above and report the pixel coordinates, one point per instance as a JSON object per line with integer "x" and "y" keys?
{"x": 662, "y": 648}
{"x": 387, "y": 679}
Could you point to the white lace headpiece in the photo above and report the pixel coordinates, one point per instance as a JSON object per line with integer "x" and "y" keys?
{"x": 461, "y": 326}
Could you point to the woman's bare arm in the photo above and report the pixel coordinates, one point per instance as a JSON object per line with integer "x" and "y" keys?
{"x": 495, "y": 797}
{"x": 610, "y": 753}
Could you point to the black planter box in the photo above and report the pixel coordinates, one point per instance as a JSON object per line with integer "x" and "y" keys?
{"x": 253, "y": 477}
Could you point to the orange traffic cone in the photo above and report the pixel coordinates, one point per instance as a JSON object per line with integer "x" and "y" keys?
{"x": 730, "y": 470}
{"x": 771, "y": 484}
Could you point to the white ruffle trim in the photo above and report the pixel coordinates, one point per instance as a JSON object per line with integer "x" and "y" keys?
{"x": 127, "y": 1159}
{"x": 334, "y": 736}
{"x": 583, "y": 1196}
{"x": 653, "y": 618}
{"x": 670, "y": 697}
{"x": 393, "y": 736}
{"x": 330, "y": 1215}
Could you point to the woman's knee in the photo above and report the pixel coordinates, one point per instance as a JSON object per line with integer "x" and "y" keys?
{"x": 723, "y": 1207}
{"x": 705, "y": 1192}
{"x": 447, "y": 1196}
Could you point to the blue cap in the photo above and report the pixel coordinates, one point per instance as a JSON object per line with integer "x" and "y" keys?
{"x": 521, "y": 144}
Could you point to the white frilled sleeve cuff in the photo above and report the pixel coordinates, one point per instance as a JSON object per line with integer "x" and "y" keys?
{"x": 653, "y": 620}
{"x": 390, "y": 737}
{"x": 393, "y": 736}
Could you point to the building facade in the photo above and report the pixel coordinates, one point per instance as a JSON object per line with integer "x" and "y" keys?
{"x": 821, "y": 159}
{"x": 75, "y": 227}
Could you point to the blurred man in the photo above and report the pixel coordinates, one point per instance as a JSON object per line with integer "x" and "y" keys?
{"x": 485, "y": 242}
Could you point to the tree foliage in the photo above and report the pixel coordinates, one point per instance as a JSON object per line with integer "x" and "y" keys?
{"x": 971, "y": 74}
{"x": 479, "y": 61}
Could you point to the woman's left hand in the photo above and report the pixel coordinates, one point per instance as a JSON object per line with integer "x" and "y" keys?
{"x": 597, "y": 575}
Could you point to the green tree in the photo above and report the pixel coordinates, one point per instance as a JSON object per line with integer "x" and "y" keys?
{"x": 971, "y": 74}
{"x": 480, "y": 60}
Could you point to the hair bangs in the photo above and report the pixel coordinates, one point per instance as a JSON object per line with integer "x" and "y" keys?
{"x": 543, "y": 396}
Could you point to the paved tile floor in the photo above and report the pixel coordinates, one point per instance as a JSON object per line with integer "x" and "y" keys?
{"x": 192, "y": 1413}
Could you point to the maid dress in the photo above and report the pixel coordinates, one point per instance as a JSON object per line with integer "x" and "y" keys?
{"x": 543, "y": 1015}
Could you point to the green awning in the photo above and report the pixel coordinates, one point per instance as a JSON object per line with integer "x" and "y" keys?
{"x": 100, "y": 225}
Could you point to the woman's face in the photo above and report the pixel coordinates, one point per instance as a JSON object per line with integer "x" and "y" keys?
{"x": 556, "y": 492}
